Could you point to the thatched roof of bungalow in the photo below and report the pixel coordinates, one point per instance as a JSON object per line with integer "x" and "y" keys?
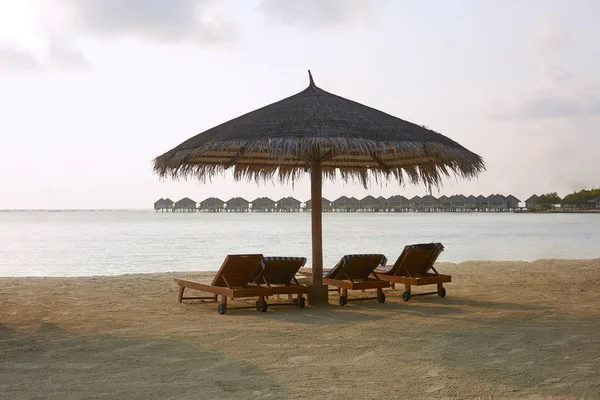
{"x": 353, "y": 200}
{"x": 263, "y": 200}
{"x": 186, "y": 201}
{"x": 532, "y": 199}
{"x": 398, "y": 198}
{"x": 169, "y": 201}
{"x": 369, "y": 199}
{"x": 458, "y": 198}
{"x": 341, "y": 200}
{"x": 415, "y": 199}
{"x": 429, "y": 199}
{"x": 382, "y": 199}
{"x": 238, "y": 200}
{"x": 512, "y": 199}
{"x": 481, "y": 199}
{"x": 472, "y": 199}
{"x": 213, "y": 200}
{"x": 288, "y": 200}
{"x": 324, "y": 201}
{"x": 160, "y": 202}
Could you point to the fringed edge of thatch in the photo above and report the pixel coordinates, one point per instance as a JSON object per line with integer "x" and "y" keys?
{"x": 449, "y": 160}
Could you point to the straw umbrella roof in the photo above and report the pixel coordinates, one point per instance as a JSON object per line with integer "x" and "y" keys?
{"x": 284, "y": 138}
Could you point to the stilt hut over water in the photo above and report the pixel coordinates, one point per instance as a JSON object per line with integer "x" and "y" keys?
{"x": 288, "y": 204}
{"x": 185, "y": 205}
{"x": 471, "y": 203}
{"x": 369, "y": 203}
{"x": 482, "y": 203}
{"x": 398, "y": 203}
{"x": 263, "y": 204}
{"x": 163, "y": 205}
{"x": 496, "y": 202}
{"x": 429, "y": 203}
{"x": 530, "y": 202}
{"x": 326, "y": 205}
{"x": 512, "y": 202}
{"x": 212, "y": 204}
{"x": 238, "y": 204}
{"x": 383, "y": 203}
{"x": 444, "y": 203}
{"x": 415, "y": 203}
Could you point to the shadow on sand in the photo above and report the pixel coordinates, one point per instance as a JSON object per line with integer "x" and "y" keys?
{"x": 54, "y": 364}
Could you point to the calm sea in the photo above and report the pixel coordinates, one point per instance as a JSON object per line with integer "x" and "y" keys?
{"x": 74, "y": 243}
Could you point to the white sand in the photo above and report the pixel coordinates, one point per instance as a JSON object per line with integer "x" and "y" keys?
{"x": 506, "y": 330}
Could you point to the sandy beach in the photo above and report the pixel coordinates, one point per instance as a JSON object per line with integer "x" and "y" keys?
{"x": 505, "y": 330}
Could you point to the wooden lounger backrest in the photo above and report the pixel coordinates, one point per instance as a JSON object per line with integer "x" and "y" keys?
{"x": 237, "y": 270}
{"x": 417, "y": 259}
{"x": 356, "y": 266}
{"x": 281, "y": 270}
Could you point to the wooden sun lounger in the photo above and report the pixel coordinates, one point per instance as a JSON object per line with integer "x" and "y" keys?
{"x": 281, "y": 271}
{"x": 353, "y": 272}
{"x": 414, "y": 267}
{"x": 233, "y": 281}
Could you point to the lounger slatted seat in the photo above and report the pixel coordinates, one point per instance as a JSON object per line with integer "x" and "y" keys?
{"x": 356, "y": 272}
{"x": 233, "y": 280}
{"x": 414, "y": 267}
{"x": 281, "y": 271}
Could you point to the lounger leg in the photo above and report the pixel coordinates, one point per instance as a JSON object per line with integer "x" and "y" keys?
{"x": 224, "y": 300}
{"x": 393, "y": 285}
{"x": 345, "y": 293}
{"x": 181, "y": 289}
{"x": 440, "y": 287}
{"x": 291, "y": 298}
{"x": 407, "y": 288}
{"x": 216, "y": 298}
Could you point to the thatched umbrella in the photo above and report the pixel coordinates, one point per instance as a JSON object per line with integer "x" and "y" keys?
{"x": 322, "y": 133}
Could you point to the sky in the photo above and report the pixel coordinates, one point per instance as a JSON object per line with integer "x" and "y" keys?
{"x": 92, "y": 91}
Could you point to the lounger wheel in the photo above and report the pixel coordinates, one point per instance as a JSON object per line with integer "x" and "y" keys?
{"x": 381, "y": 298}
{"x": 257, "y": 305}
{"x": 406, "y": 296}
{"x": 302, "y": 302}
{"x": 222, "y": 309}
{"x": 343, "y": 300}
{"x": 442, "y": 292}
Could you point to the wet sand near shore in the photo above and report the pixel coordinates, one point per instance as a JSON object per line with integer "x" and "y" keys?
{"x": 506, "y": 330}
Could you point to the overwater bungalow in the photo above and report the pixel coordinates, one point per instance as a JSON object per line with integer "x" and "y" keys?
{"x": 263, "y": 204}
{"x": 398, "y": 203}
{"x": 415, "y": 203}
{"x": 471, "y": 203}
{"x": 530, "y": 202}
{"x": 238, "y": 204}
{"x": 163, "y": 205}
{"x": 429, "y": 203}
{"x": 512, "y": 202}
{"x": 496, "y": 202}
{"x": 458, "y": 203}
{"x": 343, "y": 204}
{"x": 326, "y": 205}
{"x": 185, "y": 205}
{"x": 288, "y": 204}
{"x": 482, "y": 203}
{"x": 444, "y": 203}
{"x": 212, "y": 204}
{"x": 383, "y": 203}
{"x": 369, "y": 203}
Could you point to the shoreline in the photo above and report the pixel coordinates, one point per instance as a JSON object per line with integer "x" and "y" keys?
{"x": 212, "y": 272}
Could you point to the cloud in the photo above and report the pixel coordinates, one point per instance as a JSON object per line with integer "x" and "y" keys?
{"x": 64, "y": 56}
{"x": 13, "y": 58}
{"x": 558, "y": 93}
{"x": 320, "y": 13}
{"x": 160, "y": 21}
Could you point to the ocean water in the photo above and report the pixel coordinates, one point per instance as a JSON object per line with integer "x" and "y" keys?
{"x": 79, "y": 243}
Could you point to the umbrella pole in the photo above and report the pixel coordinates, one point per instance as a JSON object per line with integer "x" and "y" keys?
{"x": 317, "y": 293}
